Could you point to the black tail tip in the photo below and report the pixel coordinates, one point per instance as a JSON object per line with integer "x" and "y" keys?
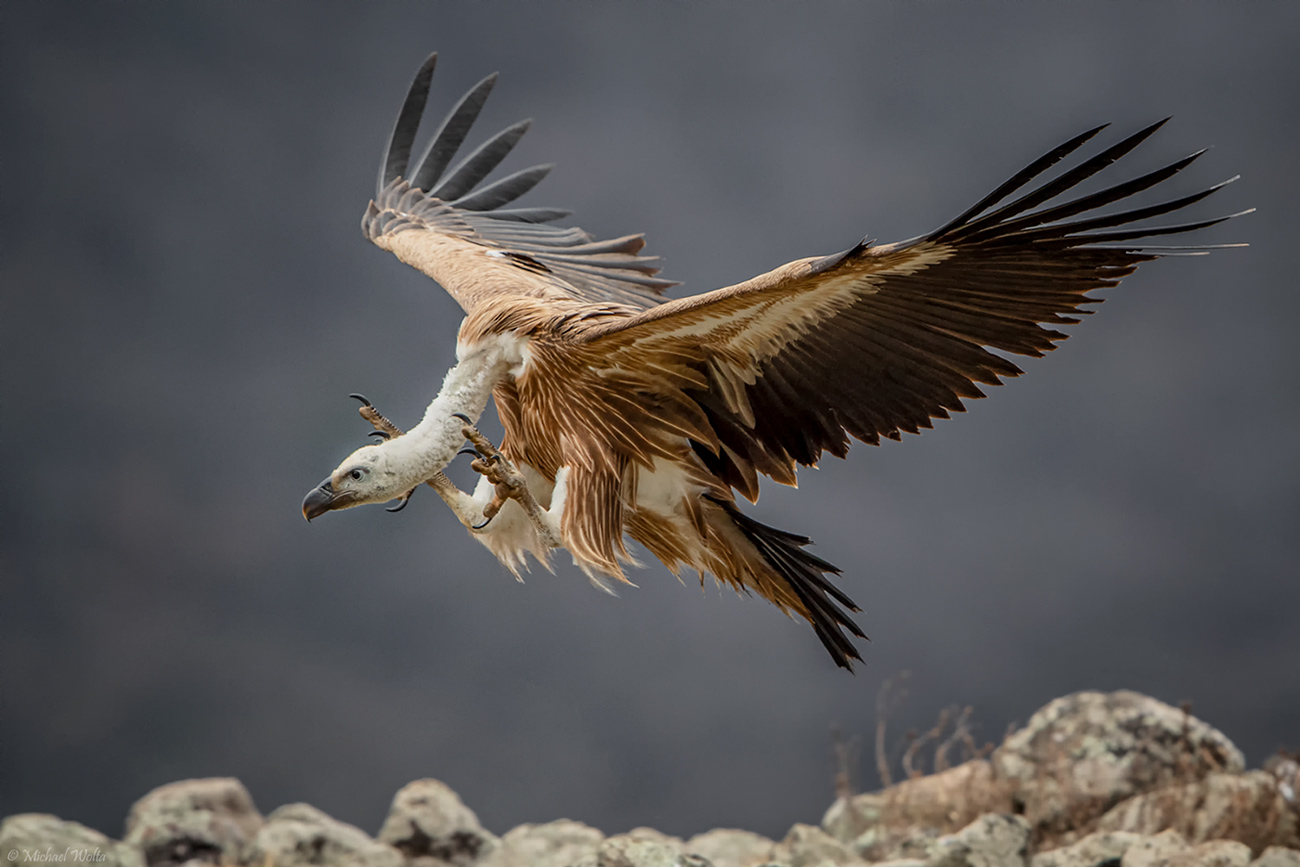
{"x": 805, "y": 574}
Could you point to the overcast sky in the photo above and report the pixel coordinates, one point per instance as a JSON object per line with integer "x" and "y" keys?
{"x": 186, "y": 301}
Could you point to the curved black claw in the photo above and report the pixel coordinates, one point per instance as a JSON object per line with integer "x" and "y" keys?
{"x": 381, "y": 433}
{"x": 402, "y": 505}
{"x": 459, "y": 415}
{"x": 486, "y": 521}
{"x": 362, "y": 398}
{"x": 469, "y": 451}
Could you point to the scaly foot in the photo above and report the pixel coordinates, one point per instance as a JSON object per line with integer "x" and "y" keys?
{"x": 508, "y": 482}
{"x": 504, "y": 476}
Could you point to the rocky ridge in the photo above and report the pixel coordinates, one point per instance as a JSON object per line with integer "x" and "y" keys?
{"x": 1093, "y": 780}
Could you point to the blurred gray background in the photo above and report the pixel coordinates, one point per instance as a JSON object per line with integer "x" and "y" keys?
{"x": 186, "y": 301}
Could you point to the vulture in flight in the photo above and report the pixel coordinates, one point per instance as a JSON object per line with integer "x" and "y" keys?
{"x": 630, "y": 415}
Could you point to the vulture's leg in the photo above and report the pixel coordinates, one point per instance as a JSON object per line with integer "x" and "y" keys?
{"x": 510, "y": 485}
{"x": 466, "y": 508}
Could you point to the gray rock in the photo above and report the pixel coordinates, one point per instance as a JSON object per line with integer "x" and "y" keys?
{"x": 1084, "y": 753}
{"x": 849, "y": 818}
{"x": 809, "y": 846}
{"x": 994, "y": 840}
{"x": 42, "y": 839}
{"x": 1216, "y": 853}
{"x": 555, "y": 844}
{"x": 654, "y": 833}
{"x": 1287, "y": 771}
{"x": 206, "y": 820}
{"x": 1155, "y": 851}
{"x": 644, "y": 850}
{"x": 297, "y": 835}
{"x": 725, "y": 847}
{"x": 1089, "y": 851}
{"x": 896, "y": 844}
{"x": 945, "y": 802}
{"x": 1247, "y": 808}
{"x": 645, "y": 833}
{"x": 430, "y": 826}
{"x": 1277, "y": 856}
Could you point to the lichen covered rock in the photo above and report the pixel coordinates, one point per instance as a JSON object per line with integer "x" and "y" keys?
{"x": 1084, "y": 753}
{"x": 30, "y": 839}
{"x": 892, "y": 823}
{"x": 1247, "y": 808}
{"x": 208, "y": 820}
{"x": 727, "y": 847}
{"x": 994, "y": 840}
{"x": 809, "y": 846}
{"x": 1278, "y": 856}
{"x": 640, "y": 850}
{"x": 1215, "y": 853}
{"x": 1089, "y": 851}
{"x": 430, "y": 826}
{"x": 1102, "y": 780}
{"x": 1155, "y": 850}
{"x": 298, "y": 835}
{"x": 554, "y": 844}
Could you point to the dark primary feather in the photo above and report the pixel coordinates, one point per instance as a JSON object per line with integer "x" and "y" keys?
{"x": 1094, "y": 201}
{"x": 504, "y": 191}
{"x": 451, "y": 135}
{"x": 911, "y": 352}
{"x": 1025, "y": 175}
{"x": 1070, "y": 179}
{"x": 1129, "y": 216}
{"x": 479, "y": 164}
{"x": 408, "y": 121}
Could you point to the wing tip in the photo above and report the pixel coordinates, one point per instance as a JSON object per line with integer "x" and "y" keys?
{"x": 443, "y": 186}
{"x": 398, "y": 153}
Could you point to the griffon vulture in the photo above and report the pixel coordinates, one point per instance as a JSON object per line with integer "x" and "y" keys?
{"x": 629, "y": 415}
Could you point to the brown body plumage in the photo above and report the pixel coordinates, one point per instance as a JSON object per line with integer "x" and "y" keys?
{"x": 655, "y": 411}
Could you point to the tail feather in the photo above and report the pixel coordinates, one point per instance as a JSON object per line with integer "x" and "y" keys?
{"x": 806, "y": 576}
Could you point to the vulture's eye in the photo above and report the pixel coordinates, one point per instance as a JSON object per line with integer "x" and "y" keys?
{"x": 356, "y": 475}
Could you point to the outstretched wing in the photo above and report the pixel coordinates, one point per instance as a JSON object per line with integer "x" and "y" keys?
{"x": 883, "y": 339}
{"x": 445, "y": 221}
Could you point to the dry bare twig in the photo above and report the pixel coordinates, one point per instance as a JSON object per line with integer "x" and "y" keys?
{"x": 848, "y": 752}
{"x": 892, "y": 693}
{"x": 933, "y": 734}
{"x": 960, "y": 730}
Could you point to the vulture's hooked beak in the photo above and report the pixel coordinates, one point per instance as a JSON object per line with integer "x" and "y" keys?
{"x": 320, "y": 500}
